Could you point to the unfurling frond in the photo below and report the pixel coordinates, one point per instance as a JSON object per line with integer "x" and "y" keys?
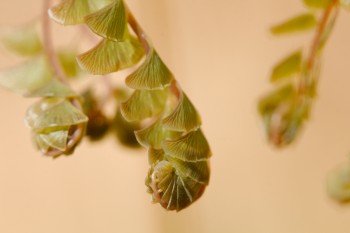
{"x": 338, "y": 183}
{"x": 178, "y": 150}
{"x": 57, "y": 125}
{"x": 286, "y": 109}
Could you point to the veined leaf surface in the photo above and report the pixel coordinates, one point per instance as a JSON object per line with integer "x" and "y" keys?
{"x": 175, "y": 189}
{"x": 110, "y": 56}
{"x": 110, "y": 22}
{"x": 144, "y": 104}
{"x": 152, "y": 74}
{"x": 153, "y": 135}
{"x": 70, "y": 12}
{"x": 55, "y": 113}
{"x": 197, "y": 171}
{"x": 56, "y": 139}
{"x": 184, "y": 118}
{"x": 191, "y": 147}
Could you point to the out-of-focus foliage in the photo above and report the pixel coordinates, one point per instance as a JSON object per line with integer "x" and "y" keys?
{"x": 22, "y": 40}
{"x": 98, "y": 124}
{"x": 69, "y": 63}
{"x": 299, "y": 23}
{"x": 125, "y": 130}
{"x": 286, "y": 109}
{"x": 345, "y": 4}
{"x": 317, "y": 3}
{"x": 338, "y": 183}
{"x": 288, "y": 67}
{"x": 27, "y": 77}
{"x": 56, "y": 121}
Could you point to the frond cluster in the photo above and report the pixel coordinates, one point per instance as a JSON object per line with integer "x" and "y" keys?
{"x": 57, "y": 121}
{"x": 286, "y": 109}
{"x": 178, "y": 150}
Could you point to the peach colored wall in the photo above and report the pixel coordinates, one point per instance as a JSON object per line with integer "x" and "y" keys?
{"x": 222, "y": 54}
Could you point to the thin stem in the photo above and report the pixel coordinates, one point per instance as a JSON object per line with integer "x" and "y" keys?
{"x": 318, "y": 41}
{"x": 140, "y": 33}
{"x": 320, "y": 32}
{"x": 48, "y": 46}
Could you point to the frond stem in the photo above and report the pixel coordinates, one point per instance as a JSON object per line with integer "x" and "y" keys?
{"x": 48, "y": 45}
{"x": 140, "y": 33}
{"x": 317, "y": 42}
{"x": 323, "y": 31}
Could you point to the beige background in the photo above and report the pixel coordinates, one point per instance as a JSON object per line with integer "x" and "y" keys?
{"x": 222, "y": 54}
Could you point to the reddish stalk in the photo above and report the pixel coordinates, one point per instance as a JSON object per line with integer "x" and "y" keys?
{"x": 318, "y": 41}
{"x": 48, "y": 46}
{"x": 140, "y": 33}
